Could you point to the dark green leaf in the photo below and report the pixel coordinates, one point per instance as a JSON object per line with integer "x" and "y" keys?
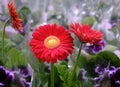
{"x": 23, "y": 13}
{"x": 106, "y": 57}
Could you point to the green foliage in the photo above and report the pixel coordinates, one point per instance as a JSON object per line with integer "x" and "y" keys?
{"x": 40, "y": 75}
{"x": 88, "y": 20}
{"x": 82, "y": 61}
{"x": 43, "y": 74}
{"x": 103, "y": 58}
{"x": 7, "y": 46}
{"x": 23, "y": 13}
{"x": 106, "y": 57}
{"x": 15, "y": 59}
{"x": 102, "y": 5}
{"x": 64, "y": 73}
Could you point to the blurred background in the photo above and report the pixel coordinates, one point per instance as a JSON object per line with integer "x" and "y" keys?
{"x": 103, "y": 15}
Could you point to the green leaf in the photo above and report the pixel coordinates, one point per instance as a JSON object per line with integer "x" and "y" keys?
{"x": 43, "y": 74}
{"x": 107, "y": 57}
{"x": 16, "y": 59}
{"x": 64, "y": 73}
{"x": 88, "y": 20}
{"x": 23, "y": 13}
{"x": 82, "y": 61}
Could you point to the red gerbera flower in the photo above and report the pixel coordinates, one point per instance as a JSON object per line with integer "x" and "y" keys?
{"x": 16, "y": 21}
{"x": 85, "y": 33}
{"x": 51, "y": 43}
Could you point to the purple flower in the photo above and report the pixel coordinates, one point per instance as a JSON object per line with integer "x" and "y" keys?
{"x": 99, "y": 70}
{"x": 95, "y": 48}
{"x": 111, "y": 75}
{"x": 105, "y": 24}
{"x": 115, "y": 22}
{"x": 47, "y": 68}
{"x": 11, "y": 32}
{"x": 115, "y": 77}
{"x": 82, "y": 74}
{"x": 23, "y": 76}
{"x": 20, "y": 77}
{"x": 6, "y": 77}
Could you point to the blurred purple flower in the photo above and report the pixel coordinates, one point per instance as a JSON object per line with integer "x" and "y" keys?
{"x": 47, "y": 68}
{"x": 95, "y": 48}
{"x": 99, "y": 70}
{"x": 82, "y": 74}
{"x": 3, "y": 5}
{"x": 4, "y": 2}
{"x": 23, "y": 76}
{"x": 44, "y": 16}
{"x": 115, "y": 22}
{"x": 109, "y": 74}
{"x": 105, "y": 25}
{"x": 115, "y": 77}
{"x": 11, "y": 32}
{"x": 118, "y": 20}
{"x": 20, "y": 77}
{"x": 6, "y": 77}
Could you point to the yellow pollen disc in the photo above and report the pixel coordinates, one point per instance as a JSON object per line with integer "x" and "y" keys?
{"x": 51, "y": 42}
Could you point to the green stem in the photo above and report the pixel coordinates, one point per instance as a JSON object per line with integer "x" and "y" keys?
{"x": 75, "y": 66}
{"x": 3, "y": 36}
{"x": 52, "y": 74}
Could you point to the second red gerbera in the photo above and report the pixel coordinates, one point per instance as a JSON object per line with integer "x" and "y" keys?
{"x": 86, "y": 34}
{"x": 16, "y": 21}
{"x": 51, "y": 43}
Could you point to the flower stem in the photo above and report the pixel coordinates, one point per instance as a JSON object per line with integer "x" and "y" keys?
{"x": 3, "y": 36}
{"x": 75, "y": 66}
{"x": 52, "y": 74}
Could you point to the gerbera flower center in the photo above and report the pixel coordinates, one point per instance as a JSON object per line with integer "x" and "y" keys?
{"x": 51, "y": 42}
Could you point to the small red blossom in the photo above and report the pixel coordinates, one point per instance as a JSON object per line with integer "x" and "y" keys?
{"x": 86, "y": 34}
{"x": 51, "y": 43}
{"x": 16, "y": 21}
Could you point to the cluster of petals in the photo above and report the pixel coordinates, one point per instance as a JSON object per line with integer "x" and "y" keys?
{"x": 85, "y": 33}
{"x": 16, "y": 21}
{"x": 51, "y": 43}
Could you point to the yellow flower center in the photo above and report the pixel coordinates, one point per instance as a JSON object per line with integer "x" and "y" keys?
{"x": 51, "y": 42}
